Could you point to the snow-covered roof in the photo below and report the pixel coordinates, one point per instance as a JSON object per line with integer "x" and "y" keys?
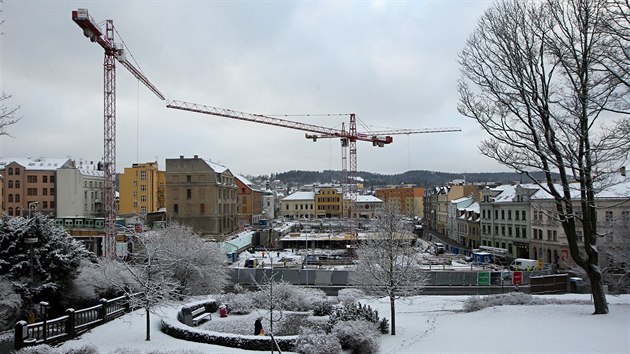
{"x": 91, "y": 172}
{"x": 301, "y": 196}
{"x": 216, "y": 167}
{"x": 40, "y": 163}
{"x": 474, "y": 207}
{"x": 244, "y": 180}
{"x": 368, "y": 199}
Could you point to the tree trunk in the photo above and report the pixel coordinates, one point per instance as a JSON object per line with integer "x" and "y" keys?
{"x": 392, "y": 313}
{"x": 597, "y": 290}
{"x": 148, "y": 325}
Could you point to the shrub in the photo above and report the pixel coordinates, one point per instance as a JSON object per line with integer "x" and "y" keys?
{"x": 357, "y": 336}
{"x": 239, "y": 304}
{"x": 353, "y": 313}
{"x": 383, "y": 325}
{"x": 476, "y": 303}
{"x": 350, "y": 296}
{"x": 316, "y": 342}
{"x": 323, "y": 308}
{"x": 288, "y": 297}
{"x": 10, "y": 305}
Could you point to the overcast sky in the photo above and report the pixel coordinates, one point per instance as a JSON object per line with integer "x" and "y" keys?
{"x": 394, "y": 64}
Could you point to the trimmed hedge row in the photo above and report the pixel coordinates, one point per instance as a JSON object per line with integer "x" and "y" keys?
{"x": 179, "y": 330}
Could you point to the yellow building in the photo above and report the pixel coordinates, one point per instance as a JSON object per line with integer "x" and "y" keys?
{"x": 328, "y": 202}
{"x": 409, "y": 199}
{"x": 142, "y": 189}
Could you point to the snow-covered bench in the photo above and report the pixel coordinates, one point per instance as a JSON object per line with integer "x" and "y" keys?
{"x": 199, "y": 315}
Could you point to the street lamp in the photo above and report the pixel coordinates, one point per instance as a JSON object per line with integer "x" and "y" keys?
{"x": 31, "y": 241}
{"x": 31, "y": 205}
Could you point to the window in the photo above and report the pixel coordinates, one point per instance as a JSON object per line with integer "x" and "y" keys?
{"x": 609, "y": 215}
{"x": 143, "y": 175}
{"x": 17, "y": 173}
{"x": 17, "y": 184}
{"x": 135, "y": 184}
{"x": 518, "y": 231}
{"x": 509, "y": 214}
{"x": 10, "y": 184}
{"x": 52, "y": 191}
{"x": 516, "y": 215}
{"x": 202, "y": 208}
{"x": 135, "y": 194}
{"x": 31, "y": 191}
{"x": 45, "y": 179}
{"x": 524, "y": 232}
{"x": 510, "y": 231}
{"x": 188, "y": 178}
{"x": 625, "y": 215}
{"x": 143, "y": 209}
{"x": 44, "y": 191}
{"x": 496, "y": 214}
{"x": 502, "y": 214}
{"x": 143, "y": 188}
{"x": 135, "y": 204}
{"x": 45, "y": 204}
{"x": 143, "y": 198}
{"x": 503, "y": 230}
{"x": 17, "y": 198}
{"x": 52, "y": 204}
{"x": 188, "y": 193}
{"x": 10, "y": 198}
{"x": 286, "y": 207}
{"x": 52, "y": 179}
{"x": 175, "y": 209}
{"x": 10, "y": 171}
{"x": 31, "y": 179}
{"x": 523, "y": 215}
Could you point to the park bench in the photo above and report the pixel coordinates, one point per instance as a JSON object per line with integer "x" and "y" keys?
{"x": 199, "y": 315}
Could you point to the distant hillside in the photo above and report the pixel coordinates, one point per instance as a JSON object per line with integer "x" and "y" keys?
{"x": 420, "y": 178}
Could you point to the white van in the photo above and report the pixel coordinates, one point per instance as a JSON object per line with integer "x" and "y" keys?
{"x": 524, "y": 264}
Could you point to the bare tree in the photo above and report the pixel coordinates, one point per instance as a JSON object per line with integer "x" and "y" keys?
{"x": 169, "y": 264}
{"x": 532, "y": 77}
{"x": 8, "y": 115}
{"x": 388, "y": 264}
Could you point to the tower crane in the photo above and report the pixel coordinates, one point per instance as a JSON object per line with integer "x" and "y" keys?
{"x": 348, "y": 137}
{"x": 113, "y": 52}
{"x": 349, "y": 143}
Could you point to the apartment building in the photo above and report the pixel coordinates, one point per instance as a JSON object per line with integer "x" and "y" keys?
{"x": 249, "y": 201}
{"x": 142, "y": 189}
{"x": 30, "y": 185}
{"x": 201, "y": 194}
{"x": 298, "y": 205}
{"x": 409, "y": 199}
{"x": 328, "y": 201}
{"x": 366, "y": 206}
{"x": 80, "y": 190}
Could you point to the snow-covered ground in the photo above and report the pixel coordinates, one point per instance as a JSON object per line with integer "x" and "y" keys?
{"x": 430, "y": 324}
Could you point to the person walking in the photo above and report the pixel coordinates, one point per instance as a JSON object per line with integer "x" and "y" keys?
{"x": 258, "y": 326}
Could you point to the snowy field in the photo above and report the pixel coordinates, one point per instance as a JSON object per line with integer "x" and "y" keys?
{"x": 427, "y": 324}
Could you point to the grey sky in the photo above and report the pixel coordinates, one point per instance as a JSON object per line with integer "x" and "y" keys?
{"x": 394, "y": 64}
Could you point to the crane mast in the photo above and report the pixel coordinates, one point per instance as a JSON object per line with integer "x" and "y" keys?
{"x": 113, "y": 53}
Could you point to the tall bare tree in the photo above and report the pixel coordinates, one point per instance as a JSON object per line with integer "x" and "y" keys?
{"x": 533, "y": 78}
{"x": 388, "y": 264}
{"x": 168, "y": 264}
{"x": 8, "y": 114}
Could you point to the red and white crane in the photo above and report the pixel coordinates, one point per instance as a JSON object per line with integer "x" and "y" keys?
{"x": 113, "y": 52}
{"x": 348, "y": 137}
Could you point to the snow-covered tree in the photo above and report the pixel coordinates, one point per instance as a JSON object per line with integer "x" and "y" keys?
{"x": 388, "y": 264}
{"x": 536, "y": 76}
{"x": 167, "y": 264}
{"x": 55, "y": 256}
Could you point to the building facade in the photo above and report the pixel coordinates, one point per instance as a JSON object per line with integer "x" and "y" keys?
{"x": 80, "y": 190}
{"x": 249, "y": 201}
{"x": 30, "y": 185}
{"x": 328, "y": 202}
{"x": 201, "y": 194}
{"x": 298, "y": 205}
{"x": 142, "y": 189}
{"x": 409, "y": 199}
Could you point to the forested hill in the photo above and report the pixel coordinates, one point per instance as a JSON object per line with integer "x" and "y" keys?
{"x": 420, "y": 178}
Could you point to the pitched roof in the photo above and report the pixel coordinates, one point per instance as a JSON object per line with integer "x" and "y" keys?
{"x": 36, "y": 164}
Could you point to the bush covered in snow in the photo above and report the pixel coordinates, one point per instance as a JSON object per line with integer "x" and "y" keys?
{"x": 287, "y": 297}
{"x": 350, "y": 296}
{"x": 46, "y": 349}
{"x": 10, "y": 305}
{"x": 239, "y": 304}
{"x": 356, "y": 312}
{"x": 323, "y": 308}
{"x": 476, "y": 303}
{"x": 357, "y": 336}
{"x": 317, "y": 342}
